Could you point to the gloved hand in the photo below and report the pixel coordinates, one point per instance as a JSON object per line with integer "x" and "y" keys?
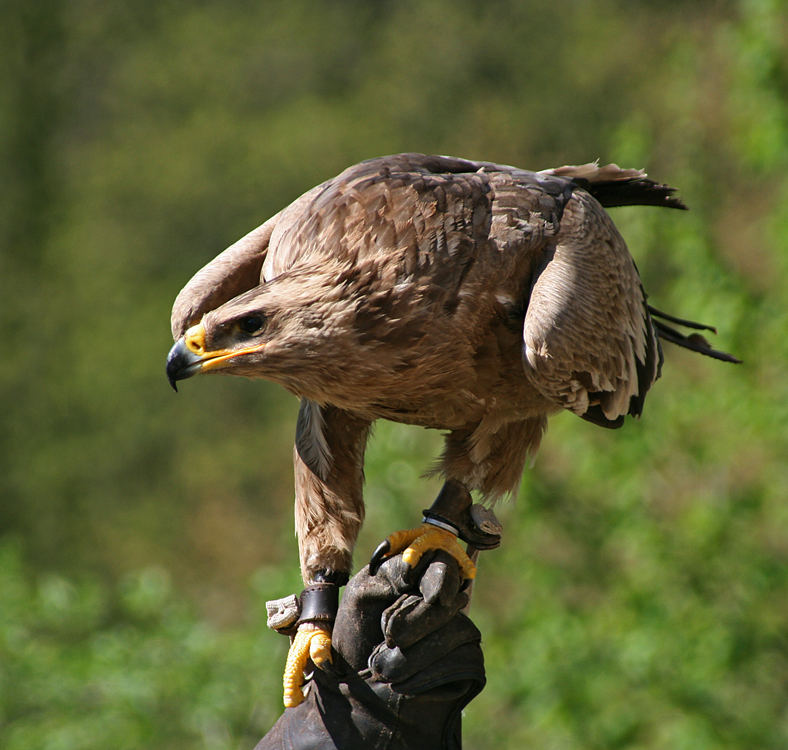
{"x": 406, "y": 662}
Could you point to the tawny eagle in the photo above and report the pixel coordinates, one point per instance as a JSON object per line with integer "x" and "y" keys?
{"x": 464, "y": 296}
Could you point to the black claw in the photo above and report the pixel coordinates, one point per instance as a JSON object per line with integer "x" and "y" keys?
{"x": 329, "y": 668}
{"x": 378, "y": 556}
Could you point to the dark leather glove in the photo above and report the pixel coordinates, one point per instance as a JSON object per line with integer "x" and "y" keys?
{"x": 406, "y": 662}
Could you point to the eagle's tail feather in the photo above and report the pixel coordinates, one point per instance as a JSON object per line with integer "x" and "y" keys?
{"x": 613, "y": 186}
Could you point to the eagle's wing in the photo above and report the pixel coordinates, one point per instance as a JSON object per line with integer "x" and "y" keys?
{"x": 589, "y": 342}
{"x": 230, "y": 273}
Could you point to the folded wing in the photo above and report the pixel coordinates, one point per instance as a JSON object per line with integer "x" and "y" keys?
{"x": 589, "y": 344}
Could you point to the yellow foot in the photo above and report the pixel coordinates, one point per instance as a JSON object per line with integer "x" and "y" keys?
{"x": 415, "y": 542}
{"x": 311, "y": 642}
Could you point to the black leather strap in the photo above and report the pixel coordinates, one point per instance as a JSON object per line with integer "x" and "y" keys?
{"x": 452, "y": 508}
{"x": 319, "y": 603}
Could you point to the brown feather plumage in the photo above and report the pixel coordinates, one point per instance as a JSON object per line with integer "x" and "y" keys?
{"x": 464, "y": 296}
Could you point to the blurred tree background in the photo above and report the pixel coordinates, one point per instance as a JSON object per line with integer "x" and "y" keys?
{"x": 640, "y": 599}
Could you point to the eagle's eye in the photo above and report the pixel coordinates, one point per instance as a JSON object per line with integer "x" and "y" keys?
{"x": 251, "y": 324}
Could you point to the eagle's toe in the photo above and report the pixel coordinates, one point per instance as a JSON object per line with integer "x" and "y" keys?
{"x": 413, "y": 543}
{"x": 311, "y": 642}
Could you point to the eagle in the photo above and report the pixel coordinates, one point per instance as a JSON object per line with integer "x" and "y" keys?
{"x": 465, "y": 296}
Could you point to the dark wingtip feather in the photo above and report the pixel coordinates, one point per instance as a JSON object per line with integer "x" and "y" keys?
{"x": 595, "y": 415}
{"x": 694, "y": 342}
{"x": 681, "y": 321}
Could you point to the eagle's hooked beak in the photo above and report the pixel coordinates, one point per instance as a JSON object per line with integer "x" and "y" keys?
{"x": 189, "y": 356}
{"x": 186, "y": 356}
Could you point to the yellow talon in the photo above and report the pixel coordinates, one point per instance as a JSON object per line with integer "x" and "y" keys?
{"x": 320, "y": 648}
{"x": 415, "y": 542}
{"x": 310, "y": 642}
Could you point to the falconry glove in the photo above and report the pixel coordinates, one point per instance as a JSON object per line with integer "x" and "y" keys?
{"x": 406, "y": 662}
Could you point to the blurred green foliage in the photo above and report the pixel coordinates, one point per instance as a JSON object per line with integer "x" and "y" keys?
{"x": 640, "y": 599}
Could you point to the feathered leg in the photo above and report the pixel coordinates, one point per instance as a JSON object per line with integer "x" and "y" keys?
{"x": 491, "y": 457}
{"x": 329, "y": 477}
{"x": 329, "y": 509}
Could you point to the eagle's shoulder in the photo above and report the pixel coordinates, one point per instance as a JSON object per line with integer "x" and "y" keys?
{"x": 389, "y": 206}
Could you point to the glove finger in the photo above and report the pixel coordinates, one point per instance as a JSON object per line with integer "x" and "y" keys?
{"x": 441, "y": 581}
{"x": 411, "y": 619}
{"x": 396, "y": 664}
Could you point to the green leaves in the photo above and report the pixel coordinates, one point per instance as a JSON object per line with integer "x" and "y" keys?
{"x": 91, "y": 666}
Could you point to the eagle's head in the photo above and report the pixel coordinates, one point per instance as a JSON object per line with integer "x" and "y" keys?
{"x": 285, "y": 330}
{"x": 220, "y": 342}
